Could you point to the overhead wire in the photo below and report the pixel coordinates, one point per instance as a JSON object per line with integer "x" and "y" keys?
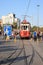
{"x": 27, "y": 8}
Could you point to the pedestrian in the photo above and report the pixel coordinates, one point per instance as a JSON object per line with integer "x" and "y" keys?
{"x": 38, "y": 36}
{"x": 35, "y": 35}
{"x": 5, "y": 35}
{"x": 42, "y": 36}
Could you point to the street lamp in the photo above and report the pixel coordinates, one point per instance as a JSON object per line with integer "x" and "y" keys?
{"x": 38, "y": 17}
{"x": 16, "y": 22}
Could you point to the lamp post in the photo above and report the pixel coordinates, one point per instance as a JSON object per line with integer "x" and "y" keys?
{"x": 38, "y": 17}
{"x": 16, "y": 22}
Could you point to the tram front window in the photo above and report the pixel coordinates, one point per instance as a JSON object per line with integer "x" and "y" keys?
{"x": 24, "y": 27}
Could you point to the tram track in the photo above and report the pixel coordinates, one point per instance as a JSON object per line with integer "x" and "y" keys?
{"x": 24, "y": 53}
{"x": 39, "y": 55}
{"x": 33, "y": 54}
{"x": 25, "y": 60}
{"x": 18, "y": 54}
{"x": 23, "y": 49}
{"x": 5, "y": 61}
{"x": 10, "y": 60}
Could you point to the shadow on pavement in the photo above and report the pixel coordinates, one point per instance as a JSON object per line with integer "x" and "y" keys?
{"x": 5, "y": 61}
{"x": 9, "y": 48}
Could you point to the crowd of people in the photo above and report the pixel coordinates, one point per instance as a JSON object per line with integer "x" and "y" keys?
{"x": 37, "y": 35}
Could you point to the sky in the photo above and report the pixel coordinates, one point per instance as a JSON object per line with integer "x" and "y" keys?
{"x": 21, "y": 8}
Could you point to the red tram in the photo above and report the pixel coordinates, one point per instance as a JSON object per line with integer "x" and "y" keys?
{"x": 25, "y": 28}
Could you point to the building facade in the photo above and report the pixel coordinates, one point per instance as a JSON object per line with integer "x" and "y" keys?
{"x": 1, "y": 22}
{"x": 9, "y": 19}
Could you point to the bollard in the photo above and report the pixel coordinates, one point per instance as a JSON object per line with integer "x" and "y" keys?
{"x": 7, "y": 38}
{"x": 15, "y": 39}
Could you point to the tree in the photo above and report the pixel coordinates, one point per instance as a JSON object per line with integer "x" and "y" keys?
{"x": 14, "y": 25}
{"x": 41, "y": 29}
{"x": 34, "y": 28}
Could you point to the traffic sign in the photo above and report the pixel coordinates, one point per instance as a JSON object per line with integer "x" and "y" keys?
{"x": 8, "y": 30}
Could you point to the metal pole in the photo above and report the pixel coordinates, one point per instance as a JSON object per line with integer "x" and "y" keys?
{"x": 37, "y": 17}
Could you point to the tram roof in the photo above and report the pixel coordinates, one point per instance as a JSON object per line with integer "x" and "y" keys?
{"x": 25, "y": 22}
